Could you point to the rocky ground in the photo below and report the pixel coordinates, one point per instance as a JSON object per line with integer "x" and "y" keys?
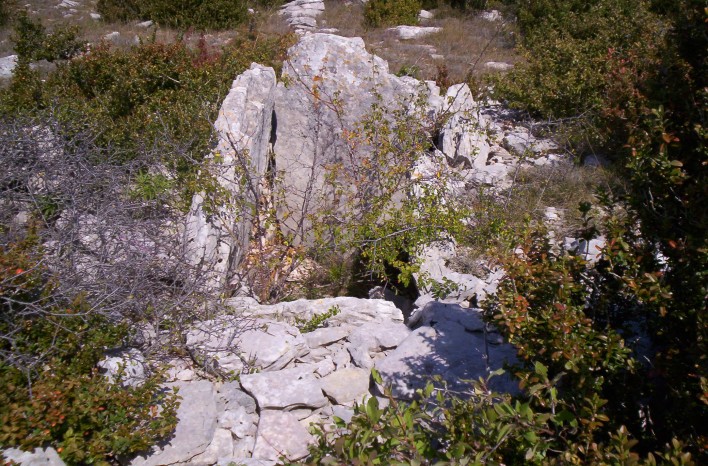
{"x": 282, "y": 379}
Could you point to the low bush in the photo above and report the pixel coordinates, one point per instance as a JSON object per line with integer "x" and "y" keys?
{"x": 161, "y": 97}
{"x": 52, "y": 393}
{"x": 382, "y": 13}
{"x": 33, "y": 42}
{"x": 185, "y": 14}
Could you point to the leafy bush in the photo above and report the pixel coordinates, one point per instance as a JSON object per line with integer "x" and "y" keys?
{"x": 317, "y": 320}
{"x": 52, "y": 393}
{"x": 33, "y": 42}
{"x": 582, "y": 61}
{"x": 156, "y": 96}
{"x": 185, "y": 14}
{"x": 381, "y": 13}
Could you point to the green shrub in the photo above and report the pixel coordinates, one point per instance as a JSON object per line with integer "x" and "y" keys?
{"x": 52, "y": 393}
{"x": 382, "y": 13}
{"x": 33, "y": 42}
{"x": 183, "y": 14}
{"x": 156, "y": 96}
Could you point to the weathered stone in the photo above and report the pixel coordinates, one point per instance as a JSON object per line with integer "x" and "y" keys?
{"x": 462, "y": 137}
{"x": 498, "y": 66}
{"x": 374, "y": 337}
{"x": 446, "y": 348}
{"x": 491, "y": 15}
{"x": 234, "y": 343}
{"x": 414, "y": 32}
{"x": 38, "y": 457}
{"x": 325, "y": 336}
{"x": 280, "y": 434}
{"x": 221, "y": 446}
{"x": 308, "y": 136}
{"x": 285, "y": 389}
{"x": 346, "y": 385}
{"x": 451, "y": 284}
{"x": 216, "y": 241}
{"x": 195, "y": 429}
{"x": 7, "y": 66}
{"x": 354, "y": 311}
{"x": 325, "y": 367}
{"x": 424, "y": 14}
{"x": 129, "y": 366}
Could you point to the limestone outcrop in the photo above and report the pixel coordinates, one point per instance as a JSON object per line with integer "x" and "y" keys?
{"x": 217, "y": 235}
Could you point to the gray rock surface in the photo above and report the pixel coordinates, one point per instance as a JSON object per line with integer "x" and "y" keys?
{"x": 346, "y": 385}
{"x": 285, "y": 389}
{"x": 195, "y": 429}
{"x": 302, "y": 15}
{"x": 320, "y": 68}
{"x": 414, "y": 32}
{"x": 373, "y": 338}
{"x": 450, "y": 345}
{"x": 235, "y": 343}
{"x": 7, "y": 66}
{"x": 128, "y": 365}
{"x": 38, "y": 457}
{"x": 216, "y": 237}
{"x": 281, "y": 434}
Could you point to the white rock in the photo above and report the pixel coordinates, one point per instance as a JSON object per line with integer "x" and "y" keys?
{"x": 234, "y": 343}
{"x": 195, "y": 429}
{"x": 346, "y": 385}
{"x": 285, "y": 389}
{"x": 145, "y": 24}
{"x": 414, "y": 32}
{"x": 498, "y": 66}
{"x": 343, "y": 412}
{"x": 373, "y": 338}
{"x": 449, "y": 347}
{"x": 95, "y": 16}
{"x": 221, "y": 446}
{"x": 112, "y": 36}
{"x": 424, "y": 14}
{"x": 325, "y": 336}
{"x": 7, "y": 66}
{"x": 216, "y": 241}
{"x": 337, "y": 66}
{"x": 325, "y": 367}
{"x": 353, "y": 311}
{"x": 491, "y": 15}
{"x": 280, "y": 434}
{"x": 39, "y": 457}
{"x": 129, "y": 365}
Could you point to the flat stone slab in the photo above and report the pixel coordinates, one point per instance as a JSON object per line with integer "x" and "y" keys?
{"x": 195, "y": 429}
{"x": 325, "y": 336}
{"x": 281, "y": 434}
{"x": 285, "y": 389}
{"x": 414, "y": 32}
{"x": 346, "y": 385}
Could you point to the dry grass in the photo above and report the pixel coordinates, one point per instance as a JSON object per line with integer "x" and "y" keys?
{"x": 465, "y": 41}
{"x": 267, "y": 22}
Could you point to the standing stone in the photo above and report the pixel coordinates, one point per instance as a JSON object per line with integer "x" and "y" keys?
{"x": 323, "y": 68}
{"x": 217, "y": 236}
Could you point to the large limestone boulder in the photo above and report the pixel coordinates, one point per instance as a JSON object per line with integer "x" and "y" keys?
{"x": 462, "y": 138}
{"x": 216, "y": 237}
{"x": 452, "y": 343}
{"x": 286, "y": 389}
{"x": 329, "y": 83}
{"x": 352, "y": 311}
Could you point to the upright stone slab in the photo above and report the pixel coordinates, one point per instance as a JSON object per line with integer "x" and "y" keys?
{"x": 217, "y": 236}
{"x": 322, "y": 69}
